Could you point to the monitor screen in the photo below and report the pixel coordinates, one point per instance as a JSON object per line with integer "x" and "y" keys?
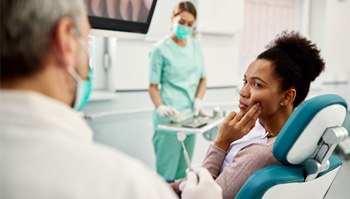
{"x": 133, "y": 16}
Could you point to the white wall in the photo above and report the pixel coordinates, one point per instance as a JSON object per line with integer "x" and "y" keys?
{"x": 337, "y": 38}
{"x": 132, "y": 68}
{"x": 330, "y": 29}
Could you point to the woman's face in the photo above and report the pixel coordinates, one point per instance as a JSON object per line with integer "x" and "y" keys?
{"x": 260, "y": 85}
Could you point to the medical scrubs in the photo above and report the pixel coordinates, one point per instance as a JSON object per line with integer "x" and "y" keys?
{"x": 178, "y": 71}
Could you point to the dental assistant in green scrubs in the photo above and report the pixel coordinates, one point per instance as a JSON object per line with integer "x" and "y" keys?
{"x": 177, "y": 82}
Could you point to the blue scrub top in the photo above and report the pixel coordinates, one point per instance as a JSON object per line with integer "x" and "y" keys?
{"x": 178, "y": 70}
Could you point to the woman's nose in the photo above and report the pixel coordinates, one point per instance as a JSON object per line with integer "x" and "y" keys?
{"x": 244, "y": 91}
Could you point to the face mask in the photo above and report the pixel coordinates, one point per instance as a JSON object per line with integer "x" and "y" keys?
{"x": 181, "y": 31}
{"x": 83, "y": 90}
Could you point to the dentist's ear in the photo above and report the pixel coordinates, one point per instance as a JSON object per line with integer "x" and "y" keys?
{"x": 63, "y": 41}
{"x": 289, "y": 96}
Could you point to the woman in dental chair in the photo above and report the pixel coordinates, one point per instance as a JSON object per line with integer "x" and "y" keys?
{"x": 273, "y": 86}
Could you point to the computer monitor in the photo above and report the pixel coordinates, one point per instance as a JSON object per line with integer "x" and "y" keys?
{"x": 120, "y": 18}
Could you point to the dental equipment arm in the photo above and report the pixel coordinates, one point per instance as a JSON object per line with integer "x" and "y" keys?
{"x": 181, "y": 136}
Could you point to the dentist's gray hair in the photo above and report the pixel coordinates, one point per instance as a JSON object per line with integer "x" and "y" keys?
{"x": 27, "y": 28}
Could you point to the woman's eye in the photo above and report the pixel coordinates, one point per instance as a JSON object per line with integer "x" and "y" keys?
{"x": 244, "y": 82}
{"x": 257, "y": 85}
{"x": 181, "y": 22}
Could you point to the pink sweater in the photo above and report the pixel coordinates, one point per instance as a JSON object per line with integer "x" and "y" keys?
{"x": 247, "y": 161}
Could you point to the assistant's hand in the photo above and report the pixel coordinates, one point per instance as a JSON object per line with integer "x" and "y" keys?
{"x": 236, "y": 125}
{"x": 198, "y": 108}
{"x": 166, "y": 111}
{"x": 200, "y": 184}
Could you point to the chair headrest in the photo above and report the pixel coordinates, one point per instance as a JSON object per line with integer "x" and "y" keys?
{"x": 299, "y": 137}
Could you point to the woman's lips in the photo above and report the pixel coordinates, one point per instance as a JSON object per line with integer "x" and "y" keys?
{"x": 242, "y": 105}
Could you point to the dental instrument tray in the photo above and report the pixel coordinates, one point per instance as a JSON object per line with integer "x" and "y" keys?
{"x": 187, "y": 119}
{"x": 196, "y": 123}
{"x": 187, "y": 122}
{"x": 193, "y": 125}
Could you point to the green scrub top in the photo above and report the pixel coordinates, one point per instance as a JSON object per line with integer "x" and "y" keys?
{"x": 178, "y": 70}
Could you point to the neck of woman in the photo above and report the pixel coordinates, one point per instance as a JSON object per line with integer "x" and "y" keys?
{"x": 273, "y": 124}
{"x": 177, "y": 40}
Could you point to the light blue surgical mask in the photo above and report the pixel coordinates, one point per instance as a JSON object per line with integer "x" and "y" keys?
{"x": 181, "y": 31}
{"x": 83, "y": 89}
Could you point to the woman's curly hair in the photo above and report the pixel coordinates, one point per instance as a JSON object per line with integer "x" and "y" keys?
{"x": 297, "y": 62}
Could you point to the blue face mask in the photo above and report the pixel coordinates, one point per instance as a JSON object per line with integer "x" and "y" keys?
{"x": 181, "y": 31}
{"x": 84, "y": 87}
{"x": 83, "y": 90}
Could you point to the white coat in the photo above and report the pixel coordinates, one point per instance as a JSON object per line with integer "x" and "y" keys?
{"x": 47, "y": 152}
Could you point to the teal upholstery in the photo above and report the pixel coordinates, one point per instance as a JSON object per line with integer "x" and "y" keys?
{"x": 257, "y": 184}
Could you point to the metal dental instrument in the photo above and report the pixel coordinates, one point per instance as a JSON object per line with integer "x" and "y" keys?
{"x": 181, "y": 136}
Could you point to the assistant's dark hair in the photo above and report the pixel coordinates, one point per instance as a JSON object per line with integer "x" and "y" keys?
{"x": 297, "y": 62}
{"x": 185, "y": 6}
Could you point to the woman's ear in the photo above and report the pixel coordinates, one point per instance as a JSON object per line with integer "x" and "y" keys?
{"x": 289, "y": 96}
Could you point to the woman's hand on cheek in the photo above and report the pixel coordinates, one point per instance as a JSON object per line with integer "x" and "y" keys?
{"x": 236, "y": 125}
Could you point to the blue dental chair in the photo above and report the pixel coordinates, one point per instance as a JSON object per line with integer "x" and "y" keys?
{"x": 304, "y": 147}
